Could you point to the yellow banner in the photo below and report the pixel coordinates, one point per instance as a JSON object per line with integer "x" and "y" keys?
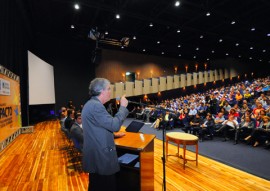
{"x": 10, "y": 102}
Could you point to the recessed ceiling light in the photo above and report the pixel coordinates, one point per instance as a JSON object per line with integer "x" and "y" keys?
{"x": 252, "y": 29}
{"x": 233, "y": 22}
{"x": 220, "y": 40}
{"x": 213, "y": 51}
{"x": 268, "y": 34}
{"x": 72, "y": 26}
{"x": 250, "y": 58}
{"x": 197, "y": 48}
{"x": 134, "y": 38}
{"x": 151, "y": 24}
{"x": 106, "y": 32}
{"x": 179, "y": 46}
{"x": 237, "y": 44}
{"x": 194, "y": 57}
{"x": 158, "y": 42}
{"x": 201, "y": 36}
{"x": 260, "y": 60}
{"x": 227, "y": 54}
{"x": 178, "y": 31}
{"x": 207, "y": 59}
{"x": 162, "y": 52}
{"x": 122, "y": 47}
{"x": 143, "y": 50}
{"x": 76, "y": 6}
{"x": 239, "y": 56}
{"x": 264, "y": 50}
{"x": 179, "y": 55}
{"x": 208, "y": 14}
{"x": 251, "y": 48}
{"x": 117, "y": 16}
{"x": 177, "y": 3}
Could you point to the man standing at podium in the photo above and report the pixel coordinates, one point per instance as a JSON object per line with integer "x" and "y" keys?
{"x": 99, "y": 151}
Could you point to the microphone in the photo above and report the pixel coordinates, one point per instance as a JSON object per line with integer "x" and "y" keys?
{"x": 134, "y": 102}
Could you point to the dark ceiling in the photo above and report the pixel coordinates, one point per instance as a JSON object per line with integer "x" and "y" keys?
{"x": 199, "y": 37}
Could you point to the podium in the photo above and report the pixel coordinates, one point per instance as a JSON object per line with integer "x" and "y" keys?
{"x": 139, "y": 173}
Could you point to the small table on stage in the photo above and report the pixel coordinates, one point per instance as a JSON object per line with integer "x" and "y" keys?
{"x": 184, "y": 139}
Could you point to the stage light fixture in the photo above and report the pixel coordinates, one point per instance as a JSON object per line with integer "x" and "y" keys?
{"x": 76, "y": 6}
{"x": 177, "y": 3}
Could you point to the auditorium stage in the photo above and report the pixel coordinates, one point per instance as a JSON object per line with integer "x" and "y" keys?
{"x": 7, "y": 135}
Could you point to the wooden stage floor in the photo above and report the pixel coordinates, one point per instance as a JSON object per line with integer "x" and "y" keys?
{"x": 6, "y": 132}
{"x": 40, "y": 161}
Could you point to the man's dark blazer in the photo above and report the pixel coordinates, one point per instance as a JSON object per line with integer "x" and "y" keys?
{"x": 99, "y": 152}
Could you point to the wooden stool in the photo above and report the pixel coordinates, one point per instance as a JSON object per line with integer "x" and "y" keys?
{"x": 184, "y": 139}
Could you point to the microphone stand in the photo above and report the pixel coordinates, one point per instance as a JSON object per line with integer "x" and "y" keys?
{"x": 163, "y": 158}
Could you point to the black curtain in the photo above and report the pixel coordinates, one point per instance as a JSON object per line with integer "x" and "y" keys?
{"x": 14, "y": 38}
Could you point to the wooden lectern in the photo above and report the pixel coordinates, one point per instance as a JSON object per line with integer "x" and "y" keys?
{"x": 139, "y": 173}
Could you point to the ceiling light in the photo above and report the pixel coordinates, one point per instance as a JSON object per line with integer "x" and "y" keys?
{"x": 197, "y": 48}
{"x": 252, "y": 29}
{"x": 264, "y": 50}
{"x": 207, "y": 59}
{"x": 117, "y": 16}
{"x": 179, "y": 46}
{"x": 179, "y": 55}
{"x": 162, "y": 52}
{"x": 237, "y": 44}
{"x": 177, "y": 3}
{"x": 260, "y": 60}
{"x": 158, "y": 42}
{"x": 151, "y": 24}
{"x": 251, "y": 48}
{"x": 220, "y": 40}
{"x": 134, "y": 38}
{"x": 213, "y": 51}
{"x": 72, "y": 26}
{"x": 201, "y": 36}
{"x": 194, "y": 57}
{"x": 76, "y": 6}
{"x": 122, "y": 47}
{"x": 239, "y": 56}
{"x": 227, "y": 54}
{"x": 268, "y": 34}
{"x": 178, "y": 31}
{"x": 250, "y": 58}
{"x": 208, "y": 14}
{"x": 143, "y": 50}
{"x": 233, "y": 22}
{"x": 106, "y": 32}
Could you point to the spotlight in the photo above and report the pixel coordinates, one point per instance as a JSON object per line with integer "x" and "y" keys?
{"x": 117, "y": 16}
{"x": 178, "y": 31}
{"x": 72, "y": 26}
{"x": 177, "y": 3}
{"x": 208, "y": 14}
{"x": 151, "y": 24}
{"x": 76, "y": 6}
{"x": 252, "y": 29}
{"x": 134, "y": 38}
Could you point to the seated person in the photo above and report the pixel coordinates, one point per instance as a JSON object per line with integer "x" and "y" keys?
{"x": 70, "y": 119}
{"x": 207, "y": 127}
{"x": 194, "y": 126}
{"x": 76, "y": 130}
{"x": 231, "y": 123}
{"x": 192, "y": 112}
{"x": 257, "y": 133}
{"x": 219, "y": 120}
{"x": 167, "y": 121}
{"x": 245, "y": 128}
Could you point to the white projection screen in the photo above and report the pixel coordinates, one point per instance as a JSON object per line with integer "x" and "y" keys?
{"x": 41, "y": 81}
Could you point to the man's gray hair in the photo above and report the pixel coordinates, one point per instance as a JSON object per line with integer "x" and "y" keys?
{"x": 97, "y": 85}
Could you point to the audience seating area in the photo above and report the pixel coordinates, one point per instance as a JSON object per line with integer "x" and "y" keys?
{"x": 239, "y": 112}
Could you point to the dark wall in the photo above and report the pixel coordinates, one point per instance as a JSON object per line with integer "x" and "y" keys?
{"x": 73, "y": 69}
{"x": 117, "y": 63}
{"x": 14, "y": 37}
